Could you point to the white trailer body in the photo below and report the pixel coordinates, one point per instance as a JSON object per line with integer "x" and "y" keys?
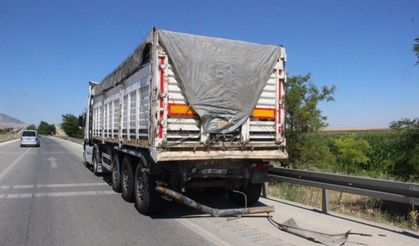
{"x": 141, "y": 110}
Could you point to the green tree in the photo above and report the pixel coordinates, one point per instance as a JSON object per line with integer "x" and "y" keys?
{"x": 351, "y": 154}
{"x": 70, "y": 125}
{"x": 52, "y": 129}
{"x": 313, "y": 152}
{"x": 304, "y": 120}
{"x": 405, "y": 123}
{"x": 416, "y": 49}
{"x": 406, "y": 166}
{"x": 31, "y": 127}
{"x": 45, "y": 128}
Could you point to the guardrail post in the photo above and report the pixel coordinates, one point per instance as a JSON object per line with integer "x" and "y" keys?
{"x": 265, "y": 190}
{"x": 325, "y": 200}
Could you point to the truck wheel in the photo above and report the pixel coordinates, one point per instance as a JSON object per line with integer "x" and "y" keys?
{"x": 116, "y": 174}
{"x": 252, "y": 192}
{"x": 86, "y": 164}
{"x": 127, "y": 180}
{"x": 95, "y": 159}
{"x": 147, "y": 200}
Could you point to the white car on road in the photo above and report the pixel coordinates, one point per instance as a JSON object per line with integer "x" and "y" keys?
{"x": 29, "y": 138}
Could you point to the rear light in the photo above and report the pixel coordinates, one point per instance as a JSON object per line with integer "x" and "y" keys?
{"x": 259, "y": 166}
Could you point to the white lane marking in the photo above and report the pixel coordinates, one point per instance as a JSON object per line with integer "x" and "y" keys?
{"x": 51, "y": 185}
{"x": 58, "y": 194}
{"x": 202, "y": 232}
{"x": 24, "y": 195}
{"x": 75, "y": 193}
{"x": 70, "y": 185}
{"x": 5, "y": 171}
{"x": 15, "y": 152}
{"x": 56, "y": 152}
{"x": 53, "y": 163}
{"x": 23, "y": 186}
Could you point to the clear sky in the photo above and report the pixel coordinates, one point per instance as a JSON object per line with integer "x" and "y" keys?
{"x": 49, "y": 50}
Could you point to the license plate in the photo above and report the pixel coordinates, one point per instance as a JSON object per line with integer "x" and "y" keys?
{"x": 214, "y": 171}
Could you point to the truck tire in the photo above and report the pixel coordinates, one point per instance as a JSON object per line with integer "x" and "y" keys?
{"x": 86, "y": 164}
{"x": 147, "y": 200}
{"x": 95, "y": 160}
{"x": 84, "y": 155}
{"x": 127, "y": 179}
{"x": 252, "y": 192}
{"x": 116, "y": 174}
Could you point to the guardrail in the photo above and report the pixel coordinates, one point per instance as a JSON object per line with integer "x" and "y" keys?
{"x": 381, "y": 189}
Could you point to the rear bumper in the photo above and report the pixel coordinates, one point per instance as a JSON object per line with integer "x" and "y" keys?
{"x": 221, "y": 155}
{"x": 29, "y": 143}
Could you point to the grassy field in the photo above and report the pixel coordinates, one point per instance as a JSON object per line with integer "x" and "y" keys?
{"x": 9, "y": 136}
{"x": 400, "y": 215}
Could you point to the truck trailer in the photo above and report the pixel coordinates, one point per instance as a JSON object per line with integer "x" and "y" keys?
{"x": 187, "y": 111}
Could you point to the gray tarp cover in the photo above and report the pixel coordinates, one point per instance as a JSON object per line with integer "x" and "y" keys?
{"x": 221, "y": 79}
{"x": 126, "y": 68}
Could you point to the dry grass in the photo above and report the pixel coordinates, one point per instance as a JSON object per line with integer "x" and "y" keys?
{"x": 9, "y": 136}
{"x": 395, "y": 214}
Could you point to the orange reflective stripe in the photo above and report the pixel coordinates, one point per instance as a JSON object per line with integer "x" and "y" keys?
{"x": 263, "y": 113}
{"x": 187, "y": 111}
{"x": 181, "y": 110}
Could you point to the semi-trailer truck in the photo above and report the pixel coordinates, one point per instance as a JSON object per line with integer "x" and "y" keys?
{"x": 187, "y": 111}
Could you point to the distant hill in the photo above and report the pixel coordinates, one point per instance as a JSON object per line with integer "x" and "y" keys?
{"x": 7, "y": 121}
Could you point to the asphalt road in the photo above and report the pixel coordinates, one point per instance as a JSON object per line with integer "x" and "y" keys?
{"x": 48, "y": 197}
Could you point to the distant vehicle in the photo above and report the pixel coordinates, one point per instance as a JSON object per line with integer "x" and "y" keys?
{"x": 29, "y": 138}
{"x": 187, "y": 111}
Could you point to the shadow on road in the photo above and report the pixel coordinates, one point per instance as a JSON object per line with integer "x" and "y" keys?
{"x": 219, "y": 200}
{"x": 215, "y": 198}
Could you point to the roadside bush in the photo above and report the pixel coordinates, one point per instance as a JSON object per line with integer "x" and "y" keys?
{"x": 351, "y": 154}
{"x": 71, "y": 126}
{"x": 46, "y": 129}
{"x": 6, "y": 130}
{"x": 31, "y": 127}
{"x": 406, "y": 166}
{"x": 314, "y": 153}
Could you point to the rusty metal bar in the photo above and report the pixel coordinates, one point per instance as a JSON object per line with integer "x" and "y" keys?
{"x": 213, "y": 211}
